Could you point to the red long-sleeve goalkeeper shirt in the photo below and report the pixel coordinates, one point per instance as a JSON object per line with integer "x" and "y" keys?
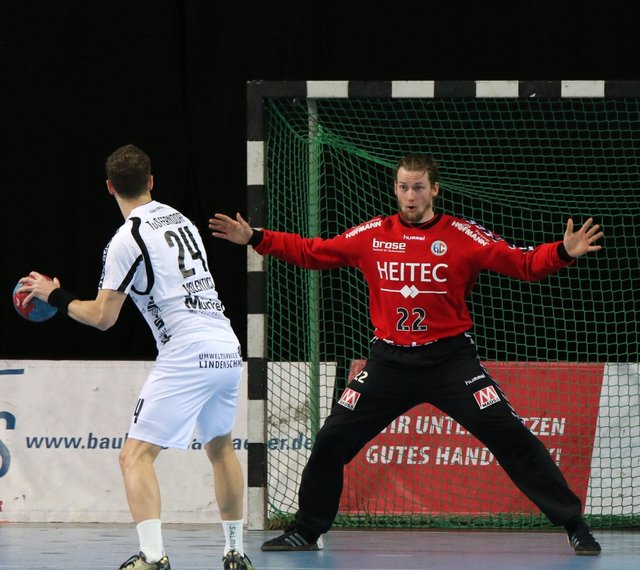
{"x": 418, "y": 276}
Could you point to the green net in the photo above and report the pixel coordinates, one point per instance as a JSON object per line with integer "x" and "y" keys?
{"x": 565, "y": 350}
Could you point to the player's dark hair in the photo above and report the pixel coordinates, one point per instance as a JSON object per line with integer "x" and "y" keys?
{"x": 129, "y": 169}
{"x": 419, "y": 163}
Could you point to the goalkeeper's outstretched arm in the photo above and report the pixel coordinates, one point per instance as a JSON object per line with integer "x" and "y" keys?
{"x": 236, "y": 231}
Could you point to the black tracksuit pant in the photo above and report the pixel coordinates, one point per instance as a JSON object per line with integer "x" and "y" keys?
{"x": 396, "y": 380}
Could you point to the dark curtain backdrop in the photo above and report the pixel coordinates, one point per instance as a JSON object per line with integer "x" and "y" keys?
{"x": 78, "y": 79}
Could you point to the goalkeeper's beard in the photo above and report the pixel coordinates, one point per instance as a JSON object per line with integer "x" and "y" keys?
{"x": 417, "y": 214}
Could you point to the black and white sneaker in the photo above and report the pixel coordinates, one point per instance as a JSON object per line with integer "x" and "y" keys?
{"x": 139, "y": 562}
{"x": 583, "y": 541}
{"x": 292, "y": 539}
{"x": 233, "y": 560}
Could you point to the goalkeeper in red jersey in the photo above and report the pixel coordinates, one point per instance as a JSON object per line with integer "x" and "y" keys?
{"x": 420, "y": 266}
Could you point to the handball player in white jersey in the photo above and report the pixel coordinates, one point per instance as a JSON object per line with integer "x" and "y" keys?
{"x": 158, "y": 259}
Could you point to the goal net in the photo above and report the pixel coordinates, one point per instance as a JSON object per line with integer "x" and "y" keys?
{"x": 564, "y": 350}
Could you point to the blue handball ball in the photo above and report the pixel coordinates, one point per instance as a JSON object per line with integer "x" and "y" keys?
{"x": 36, "y": 311}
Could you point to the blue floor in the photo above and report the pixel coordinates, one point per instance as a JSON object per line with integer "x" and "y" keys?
{"x": 195, "y": 547}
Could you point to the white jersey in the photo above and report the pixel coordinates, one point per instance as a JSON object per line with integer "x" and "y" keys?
{"x": 157, "y": 257}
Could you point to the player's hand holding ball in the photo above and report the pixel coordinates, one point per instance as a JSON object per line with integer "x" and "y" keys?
{"x": 29, "y": 297}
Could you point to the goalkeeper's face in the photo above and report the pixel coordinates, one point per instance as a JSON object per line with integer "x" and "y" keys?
{"x": 416, "y": 195}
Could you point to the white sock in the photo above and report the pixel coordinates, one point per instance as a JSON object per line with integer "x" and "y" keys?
{"x": 150, "y": 535}
{"x": 233, "y": 536}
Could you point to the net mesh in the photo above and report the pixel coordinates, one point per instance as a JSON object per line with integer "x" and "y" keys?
{"x": 564, "y": 350}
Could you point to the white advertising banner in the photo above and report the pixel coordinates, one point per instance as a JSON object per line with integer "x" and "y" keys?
{"x": 62, "y": 425}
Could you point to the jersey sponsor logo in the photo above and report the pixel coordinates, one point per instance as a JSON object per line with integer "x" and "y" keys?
{"x": 193, "y": 302}
{"x": 467, "y": 230}
{"x": 419, "y": 238}
{"x": 220, "y": 364}
{"x": 203, "y": 284}
{"x": 363, "y": 228}
{"x": 438, "y": 247}
{"x": 389, "y": 246}
{"x": 413, "y": 272}
{"x": 152, "y": 308}
{"x": 412, "y": 291}
{"x": 486, "y": 397}
{"x": 168, "y": 220}
{"x": 349, "y": 398}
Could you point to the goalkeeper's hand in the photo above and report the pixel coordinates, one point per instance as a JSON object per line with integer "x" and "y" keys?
{"x": 236, "y": 231}
{"x": 582, "y": 241}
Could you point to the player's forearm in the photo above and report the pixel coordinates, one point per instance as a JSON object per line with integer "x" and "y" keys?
{"x": 534, "y": 265}
{"x": 309, "y": 253}
{"x": 92, "y": 313}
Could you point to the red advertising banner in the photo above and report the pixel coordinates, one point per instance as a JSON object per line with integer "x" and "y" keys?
{"x": 425, "y": 462}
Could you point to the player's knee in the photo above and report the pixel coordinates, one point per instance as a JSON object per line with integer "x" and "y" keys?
{"x": 128, "y": 458}
{"x": 331, "y": 444}
{"x": 123, "y": 460}
{"x": 136, "y": 453}
{"x": 218, "y": 446}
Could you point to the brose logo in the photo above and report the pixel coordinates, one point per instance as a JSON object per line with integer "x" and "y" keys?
{"x": 397, "y": 246}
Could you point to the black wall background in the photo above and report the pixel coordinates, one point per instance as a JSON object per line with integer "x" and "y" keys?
{"x": 78, "y": 79}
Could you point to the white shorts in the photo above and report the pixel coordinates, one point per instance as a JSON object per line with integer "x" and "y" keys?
{"x": 194, "y": 387}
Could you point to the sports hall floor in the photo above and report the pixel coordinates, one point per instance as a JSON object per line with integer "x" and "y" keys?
{"x": 195, "y": 547}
